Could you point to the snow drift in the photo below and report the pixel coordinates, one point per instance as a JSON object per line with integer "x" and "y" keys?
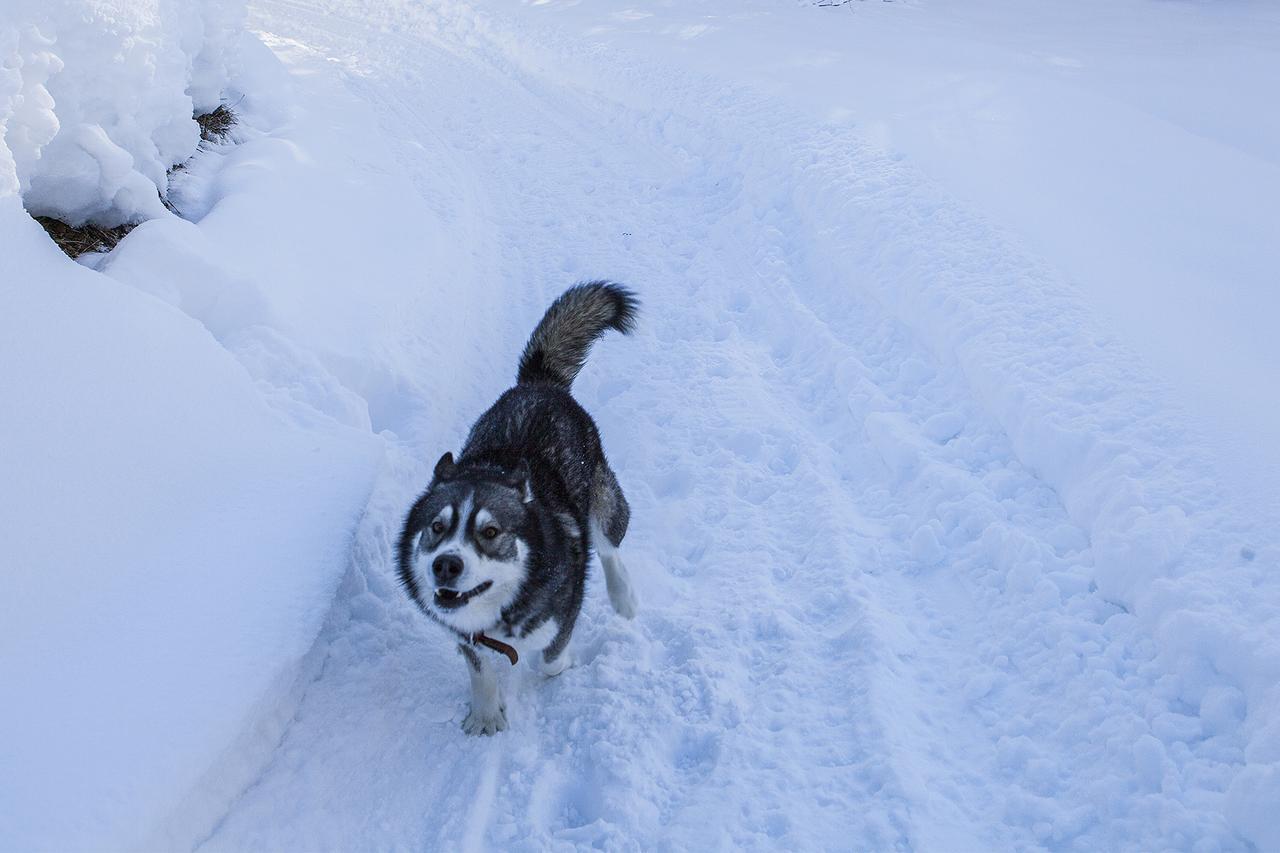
{"x": 187, "y": 435}
{"x": 97, "y": 99}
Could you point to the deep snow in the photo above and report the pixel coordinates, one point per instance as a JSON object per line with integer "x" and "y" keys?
{"x": 97, "y": 98}
{"x": 928, "y": 558}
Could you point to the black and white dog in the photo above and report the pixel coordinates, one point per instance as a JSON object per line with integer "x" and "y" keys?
{"x": 496, "y": 549}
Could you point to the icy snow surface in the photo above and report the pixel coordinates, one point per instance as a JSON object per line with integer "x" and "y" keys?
{"x": 927, "y": 558}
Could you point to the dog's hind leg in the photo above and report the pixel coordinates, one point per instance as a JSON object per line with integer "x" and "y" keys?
{"x": 488, "y": 714}
{"x": 556, "y": 657}
{"x": 610, "y": 515}
{"x": 621, "y": 594}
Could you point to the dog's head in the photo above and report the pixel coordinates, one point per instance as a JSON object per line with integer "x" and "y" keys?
{"x": 463, "y": 553}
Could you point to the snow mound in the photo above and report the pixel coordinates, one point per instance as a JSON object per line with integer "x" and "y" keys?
{"x": 97, "y": 100}
{"x": 190, "y": 431}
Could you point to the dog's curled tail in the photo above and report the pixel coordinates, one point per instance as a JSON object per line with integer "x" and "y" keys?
{"x": 558, "y": 347}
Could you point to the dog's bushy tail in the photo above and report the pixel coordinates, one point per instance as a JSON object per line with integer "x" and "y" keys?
{"x": 558, "y": 347}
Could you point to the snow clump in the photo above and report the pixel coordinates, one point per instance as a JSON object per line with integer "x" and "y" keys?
{"x": 98, "y": 98}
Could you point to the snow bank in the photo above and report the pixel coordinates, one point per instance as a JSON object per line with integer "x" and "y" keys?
{"x": 188, "y": 434}
{"x": 170, "y": 540}
{"x": 97, "y": 100}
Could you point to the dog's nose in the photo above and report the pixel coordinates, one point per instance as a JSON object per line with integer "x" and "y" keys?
{"x": 446, "y": 568}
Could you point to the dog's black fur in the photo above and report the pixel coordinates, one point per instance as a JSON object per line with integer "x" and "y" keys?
{"x": 534, "y": 461}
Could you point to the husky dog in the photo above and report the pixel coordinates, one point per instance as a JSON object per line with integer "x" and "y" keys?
{"x": 496, "y": 549}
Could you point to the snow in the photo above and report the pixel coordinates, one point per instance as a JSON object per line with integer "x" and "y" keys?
{"x": 106, "y": 94}
{"x": 184, "y": 473}
{"x": 1130, "y": 144}
{"x": 150, "y": 525}
{"x": 934, "y": 442}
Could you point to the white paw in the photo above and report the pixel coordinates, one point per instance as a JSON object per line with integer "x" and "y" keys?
{"x": 491, "y": 723}
{"x": 623, "y": 599}
{"x": 552, "y": 668}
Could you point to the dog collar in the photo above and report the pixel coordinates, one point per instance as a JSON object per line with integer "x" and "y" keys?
{"x": 497, "y": 646}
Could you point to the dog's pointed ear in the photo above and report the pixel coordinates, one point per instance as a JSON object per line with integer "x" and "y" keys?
{"x": 444, "y": 468}
{"x": 520, "y": 480}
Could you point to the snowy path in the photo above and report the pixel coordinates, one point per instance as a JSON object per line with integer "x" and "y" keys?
{"x": 865, "y": 623}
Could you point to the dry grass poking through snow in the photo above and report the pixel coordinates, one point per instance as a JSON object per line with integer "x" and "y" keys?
{"x": 215, "y": 127}
{"x": 87, "y": 238}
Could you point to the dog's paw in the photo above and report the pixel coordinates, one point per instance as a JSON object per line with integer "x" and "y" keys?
{"x": 623, "y": 599}
{"x": 552, "y": 668}
{"x": 491, "y": 723}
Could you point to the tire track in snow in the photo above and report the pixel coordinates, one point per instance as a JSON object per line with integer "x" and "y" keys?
{"x": 986, "y": 555}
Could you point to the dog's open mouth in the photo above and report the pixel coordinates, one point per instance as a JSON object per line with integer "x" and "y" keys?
{"x": 451, "y": 599}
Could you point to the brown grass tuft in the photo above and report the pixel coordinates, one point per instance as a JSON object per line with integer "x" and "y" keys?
{"x": 215, "y": 126}
{"x": 87, "y": 238}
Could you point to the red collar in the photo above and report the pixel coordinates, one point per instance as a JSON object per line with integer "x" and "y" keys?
{"x": 497, "y": 646}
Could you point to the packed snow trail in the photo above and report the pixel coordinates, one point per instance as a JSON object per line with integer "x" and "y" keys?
{"x": 867, "y": 619}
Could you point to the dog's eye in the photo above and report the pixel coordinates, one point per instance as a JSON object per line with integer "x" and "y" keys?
{"x": 437, "y": 527}
{"x": 489, "y": 532}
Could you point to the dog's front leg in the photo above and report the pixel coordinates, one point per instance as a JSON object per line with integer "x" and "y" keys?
{"x": 488, "y": 711}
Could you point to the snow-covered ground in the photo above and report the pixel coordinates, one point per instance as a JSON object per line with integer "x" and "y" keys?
{"x": 946, "y": 429}
{"x": 1131, "y": 144}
